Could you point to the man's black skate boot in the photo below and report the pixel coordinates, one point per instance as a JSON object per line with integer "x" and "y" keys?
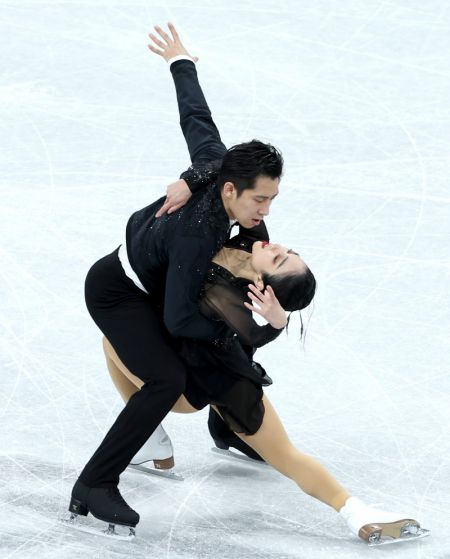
{"x": 224, "y": 438}
{"x": 105, "y": 503}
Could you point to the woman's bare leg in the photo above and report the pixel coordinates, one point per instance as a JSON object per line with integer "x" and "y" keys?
{"x": 127, "y": 383}
{"x": 272, "y": 443}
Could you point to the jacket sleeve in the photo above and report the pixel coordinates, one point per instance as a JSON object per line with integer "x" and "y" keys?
{"x": 201, "y": 134}
{"x": 200, "y": 175}
{"x": 225, "y": 303}
{"x": 188, "y": 260}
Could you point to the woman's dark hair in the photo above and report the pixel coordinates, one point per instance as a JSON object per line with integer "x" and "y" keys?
{"x": 293, "y": 291}
{"x": 244, "y": 163}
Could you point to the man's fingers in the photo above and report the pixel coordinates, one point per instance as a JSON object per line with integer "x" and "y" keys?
{"x": 163, "y": 34}
{"x": 173, "y": 31}
{"x": 157, "y": 41}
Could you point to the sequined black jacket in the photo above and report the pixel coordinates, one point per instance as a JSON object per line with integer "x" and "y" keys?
{"x": 172, "y": 254}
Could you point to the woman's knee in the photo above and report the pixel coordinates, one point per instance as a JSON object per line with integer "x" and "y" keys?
{"x": 267, "y": 443}
{"x": 182, "y": 405}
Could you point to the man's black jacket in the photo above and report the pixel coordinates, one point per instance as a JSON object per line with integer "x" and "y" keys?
{"x": 172, "y": 254}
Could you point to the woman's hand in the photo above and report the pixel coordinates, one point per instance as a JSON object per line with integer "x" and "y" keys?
{"x": 269, "y": 307}
{"x": 168, "y": 46}
{"x": 178, "y": 193}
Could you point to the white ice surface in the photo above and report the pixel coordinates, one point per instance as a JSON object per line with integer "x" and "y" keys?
{"x": 356, "y": 95}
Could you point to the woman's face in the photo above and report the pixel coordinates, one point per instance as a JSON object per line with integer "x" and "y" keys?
{"x": 273, "y": 259}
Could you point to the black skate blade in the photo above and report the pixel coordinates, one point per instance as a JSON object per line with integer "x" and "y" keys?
{"x": 231, "y": 455}
{"x": 113, "y": 531}
{"x": 406, "y": 537}
{"x": 168, "y": 474}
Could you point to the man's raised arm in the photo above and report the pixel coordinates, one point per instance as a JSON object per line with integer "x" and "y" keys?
{"x": 202, "y": 137}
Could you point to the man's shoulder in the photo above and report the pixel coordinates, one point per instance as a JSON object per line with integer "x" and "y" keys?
{"x": 203, "y": 215}
{"x": 199, "y": 229}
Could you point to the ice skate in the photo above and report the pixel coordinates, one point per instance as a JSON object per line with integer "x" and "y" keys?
{"x": 379, "y": 527}
{"x": 104, "y": 503}
{"x": 224, "y": 438}
{"x": 156, "y": 456}
{"x": 237, "y": 456}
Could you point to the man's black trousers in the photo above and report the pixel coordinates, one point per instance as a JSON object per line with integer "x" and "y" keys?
{"x": 133, "y": 324}
{"x": 132, "y": 321}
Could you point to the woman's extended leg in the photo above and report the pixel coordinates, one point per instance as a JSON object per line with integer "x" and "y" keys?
{"x": 272, "y": 443}
{"x": 371, "y": 524}
{"x": 271, "y": 440}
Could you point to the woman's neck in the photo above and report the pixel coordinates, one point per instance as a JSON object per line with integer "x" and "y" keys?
{"x": 236, "y": 261}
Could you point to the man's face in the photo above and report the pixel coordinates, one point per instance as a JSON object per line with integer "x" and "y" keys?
{"x": 253, "y": 204}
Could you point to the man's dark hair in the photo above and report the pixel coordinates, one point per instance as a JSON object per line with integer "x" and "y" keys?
{"x": 293, "y": 291}
{"x": 244, "y": 163}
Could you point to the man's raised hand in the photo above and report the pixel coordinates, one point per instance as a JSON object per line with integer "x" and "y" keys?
{"x": 167, "y": 45}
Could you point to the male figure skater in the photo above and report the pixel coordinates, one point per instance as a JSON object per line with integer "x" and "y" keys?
{"x": 204, "y": 145}
{"x": 165, "y": 259}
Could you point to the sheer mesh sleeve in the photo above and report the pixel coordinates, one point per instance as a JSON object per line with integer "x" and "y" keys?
{"x": 220, "y": 302}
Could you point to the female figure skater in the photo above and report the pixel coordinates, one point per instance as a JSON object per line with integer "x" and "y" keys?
{"x": 220, "y": 373}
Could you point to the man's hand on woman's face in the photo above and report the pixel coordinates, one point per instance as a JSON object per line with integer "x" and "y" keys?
{"x": 168, "y": 46}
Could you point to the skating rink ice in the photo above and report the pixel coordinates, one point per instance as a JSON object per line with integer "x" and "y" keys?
{"x": 356, "y": 96}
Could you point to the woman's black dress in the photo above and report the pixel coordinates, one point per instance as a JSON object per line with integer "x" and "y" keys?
{"x": 222, "y": 372}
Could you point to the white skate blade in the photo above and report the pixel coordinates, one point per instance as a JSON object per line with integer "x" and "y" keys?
{"x": 406, "y": 537}
{"x": 168, "y": 474}
{"x": 231, "y": 455}
{"x": 113, "y": 531}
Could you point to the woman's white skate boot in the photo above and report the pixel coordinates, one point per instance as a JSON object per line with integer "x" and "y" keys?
{"x": 156, "y": 456}
{"x": 378, "y": 526}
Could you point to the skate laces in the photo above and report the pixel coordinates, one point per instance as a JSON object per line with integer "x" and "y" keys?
{"x": 115, "y": 495}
